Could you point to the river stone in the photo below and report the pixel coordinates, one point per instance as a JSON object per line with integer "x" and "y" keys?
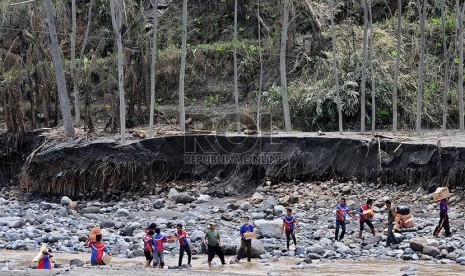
{"x": 197, "y": 236}
{"x": 184, "y": 198}
{"x": 257, "y": 249}
{"x": 279, "y": 210}
{"x": 346, "y": 190}
{"x": 66, "y": 201}
{"x": 90, "y": 210}
{"x": 432, "y": 242}
{"x": 158, "y": 204}
{"x": 371, "y": 240}
{"x": 12, "y": 236}
{"x": 122, "y": 212}
{"x": 269, "y": 228}
{"x": 418, "y": 244}
{"x": 270, "y": 203}
{"x": 431, "y": 251}
{"x": 256, "y": 198}
{"x": 107, "y": 224}
{"x": 12, "y": 222}
{"x": 202, "y": 199}
{"x": 172, "y": 193}
{"x": 76, "y": 262}
{"x": 229, "y": 249}
{"x": 316, "y": 249}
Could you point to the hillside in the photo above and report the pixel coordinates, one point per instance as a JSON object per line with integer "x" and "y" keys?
{"x": 27, "y": 75}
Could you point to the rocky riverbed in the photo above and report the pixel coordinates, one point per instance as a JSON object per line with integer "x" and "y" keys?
{"x": 26, "y": 222}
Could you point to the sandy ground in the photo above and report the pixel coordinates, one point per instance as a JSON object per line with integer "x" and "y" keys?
{"x": 256, "y": 267}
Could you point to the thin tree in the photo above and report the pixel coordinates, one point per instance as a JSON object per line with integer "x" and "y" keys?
{"x": 336, "y": 77}
{"x": 422, "y": 15}
{"x": 373, "y": 84}
{"x": 77, "y": 111}
{"x": 396, "y": 74}
{"x": 282, "y": 67}
{"x": 116, "y": 19}
{"x": 260, "y": 55}
{"x": 236, "y": 89}
{"x": 364, "y": 65}
{"x": 152, "y": 67}
{"x": 446, "y": 65}
{"x": 460, "y": 16}
{"x": 60, "y": 76}
{"x": 182, "y": 72}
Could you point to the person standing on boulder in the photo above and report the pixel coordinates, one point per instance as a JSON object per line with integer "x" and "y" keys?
{"x": 366, "y": 214}
{"x": 213, "y": 243}
{"x": 289, "y": 223}
{"x": 443, "y": 218}
{"x": 245, "y": 243}
{"x": 184, "y": 246}
{"x": 391, "y": 238}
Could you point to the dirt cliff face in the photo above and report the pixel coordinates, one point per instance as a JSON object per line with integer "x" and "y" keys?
{"x": 235, "y": 165}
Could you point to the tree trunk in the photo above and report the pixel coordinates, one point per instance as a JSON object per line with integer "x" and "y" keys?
{"x": 77, "y": 111}
{"x": 336, "y": 77}
{"x": 152, "y": 67}
{"x": 60, "y": 76}
{"x": 260, "y": 54}
{"x": 282, "y": 66}
{"x": 236, "y": 89}
{"x": 446, "y": 73}
{"x": 364, "y": 66}
{"x": 422, "y": 15}
{"x": 182, "y": 72}
{"x": 116, "y": 20}
{"x": 373, "y": 84}
{"x": 396, "y": 74}
{"x": 460, "y": 71}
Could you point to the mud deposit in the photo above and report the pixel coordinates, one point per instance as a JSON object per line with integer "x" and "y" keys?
{"x": 237, "y": 164}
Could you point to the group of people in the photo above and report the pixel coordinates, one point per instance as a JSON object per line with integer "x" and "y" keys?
{"x": 366, "y": 214}
{"x": 154, "y": 240}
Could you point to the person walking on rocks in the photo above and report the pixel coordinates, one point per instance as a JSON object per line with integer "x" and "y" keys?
{"x": 213, "y": 244}
{"x": 365, "y": 215}
{"x": 158, "y": 258}
{"x": 342, "y": 210}
{"x": 443, "y": 218}
{"x": 289, "y": 223}
{"x": 391, "y": 238}
{"x": 246, "y": 244}
{"x": 184, "y": 246}
{"x": 148, "y": 247}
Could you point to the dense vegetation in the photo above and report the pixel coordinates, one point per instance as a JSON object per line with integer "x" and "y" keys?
{"x": 27, "y": 78}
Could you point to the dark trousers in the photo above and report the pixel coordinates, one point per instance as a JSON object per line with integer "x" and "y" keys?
{"x": 342, "y": 225}
{"x": 288, "y": 238}
{"x": 391, "y": 238}
{"x": 245, "y": 244}
{"x": 186, "y": 248}
{"x": 215, "y": 250}
{"x": 443, "y": 222}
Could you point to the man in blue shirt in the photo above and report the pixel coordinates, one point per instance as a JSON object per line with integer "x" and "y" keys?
{"x": 245, "y": 243}
{"x": 443, "y": 218}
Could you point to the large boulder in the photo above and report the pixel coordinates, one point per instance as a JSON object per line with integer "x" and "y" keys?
{"x": 66, "y": 201}
{"x": 431, "y": 251}
{"x": 257, "y": 249}
{"x": 418, "y": 244}
{"x": 184, "y": 198}
{"x": 270, "y": 202}
{"x": 197, "y": 236}
{"x": 90, "y": 210}
{"x": 203, "y": 199}
{"x": 107, "y": 224}
{"x": 316, "y": 249}
{"x": 269, "y": 228}
{"x": 256, "y": 198}
{"x": 12, "y": 222}
{"x": 279, "y": 210}
{"x": 229, "y": 249}
{"x": 159, "y": 203}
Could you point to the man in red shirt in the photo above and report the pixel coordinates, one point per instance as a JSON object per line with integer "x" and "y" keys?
{"x": 181, "y": 236}
{"x": 365, "y": 217}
